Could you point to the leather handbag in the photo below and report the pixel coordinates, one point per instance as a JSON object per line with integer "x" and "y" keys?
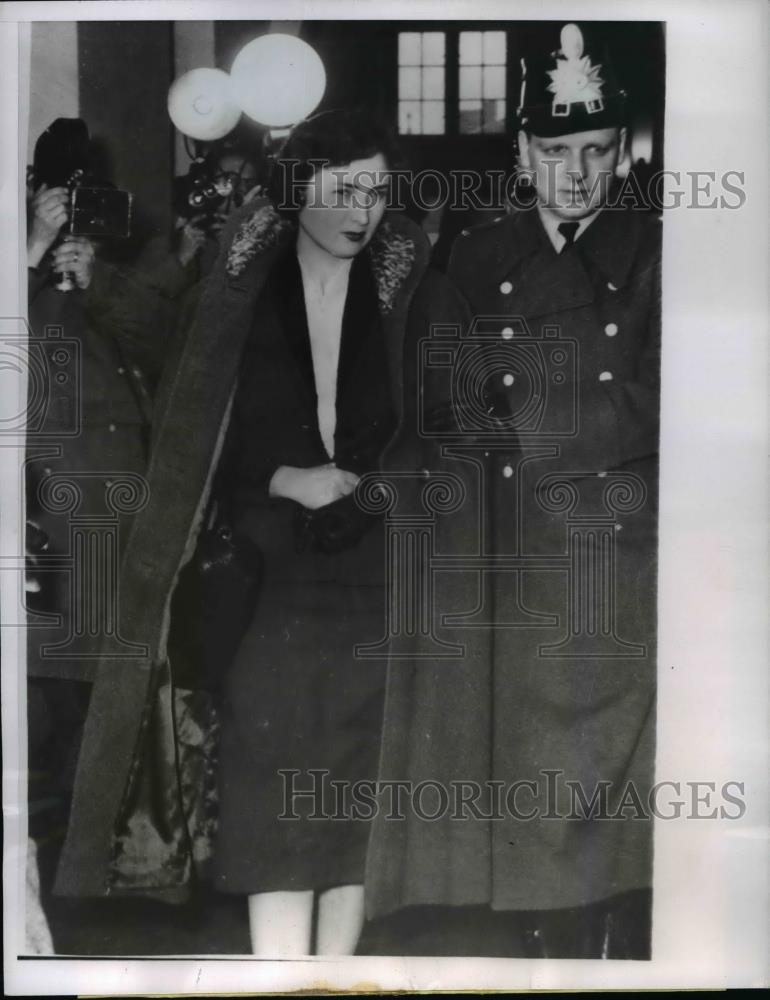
{"x": 333, "y": 528}
{"x": 211, "y": 607}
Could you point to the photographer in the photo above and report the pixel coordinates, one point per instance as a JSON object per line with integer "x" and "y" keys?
{"x": 204, "y": 197}
{"x": 93, "y": 431}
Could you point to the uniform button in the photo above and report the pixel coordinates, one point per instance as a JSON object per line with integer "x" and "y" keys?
{"x": 112, "y": 428}
{"x": 108, "y": 483}
{"x": 618, "y": 527}
{"x": 605, "y": 377}
{"x": 507, "y": 379}
{"x": 612, "y": 288}
{"x": 507, "y": 471}
{"x": 499, "y": 218}
{"x": 47, "y": 471}
{"x": 507, "y": 332}
{"x": 506, "y": 288}
{"x": 465, "y": 232}
{"x": 611, "y": 329}
{"x": 121, "y": 370}
{"x": 601, "y": 475}
{"x": 425, "y": 473}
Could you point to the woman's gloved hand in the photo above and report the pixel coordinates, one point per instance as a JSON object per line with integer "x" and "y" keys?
{"x": 312, "y": 488}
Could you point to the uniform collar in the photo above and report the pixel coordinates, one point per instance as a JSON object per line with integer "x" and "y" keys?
{"x": 551, "y": 225}
{"x": 609, "y": 244}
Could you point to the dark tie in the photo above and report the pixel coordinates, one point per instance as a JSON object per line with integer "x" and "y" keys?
{"x": 568, "y": 230}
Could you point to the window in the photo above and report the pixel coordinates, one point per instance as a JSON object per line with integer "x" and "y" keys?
{"x": 482, "y": 58}
{"x": 452, "y": 81}
{"x": 421, "y": 82}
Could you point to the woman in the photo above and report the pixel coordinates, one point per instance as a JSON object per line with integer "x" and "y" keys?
{"x": 291, "y": 386}
{"x": 313, "y": 412}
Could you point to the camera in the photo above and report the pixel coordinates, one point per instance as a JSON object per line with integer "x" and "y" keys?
{"x": 209, "y": 189}
{"x": 100, "y": 212}
{"x": 52, "y": 365}
{"x": 63, "y": 158}
{"x": 501, "y": 380}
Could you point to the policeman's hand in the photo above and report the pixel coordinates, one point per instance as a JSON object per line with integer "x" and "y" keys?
{"x": 191, "y": 239}
{"x": 312, "y": 488}
{"x": 76, "y": 256}
{"x": 49, "y": 213}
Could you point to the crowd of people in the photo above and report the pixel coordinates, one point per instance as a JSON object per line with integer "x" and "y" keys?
{"x": 267, "y": 380}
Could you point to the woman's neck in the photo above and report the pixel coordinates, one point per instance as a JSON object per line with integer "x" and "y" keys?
{"x": 318, "y": 265}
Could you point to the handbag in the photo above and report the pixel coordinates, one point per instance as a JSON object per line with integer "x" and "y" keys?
{"x": 337, "y": 526}
{"x": 212, "y": 605}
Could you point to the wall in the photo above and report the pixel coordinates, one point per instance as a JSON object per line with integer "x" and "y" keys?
{"x": 126, "y": 68}
{"x": 54, "y": 87}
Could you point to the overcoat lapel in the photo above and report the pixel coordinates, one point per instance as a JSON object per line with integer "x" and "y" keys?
{"x": 187, "y": 434}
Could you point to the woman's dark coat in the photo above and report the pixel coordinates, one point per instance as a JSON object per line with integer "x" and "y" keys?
{"x": 128, "y": 831}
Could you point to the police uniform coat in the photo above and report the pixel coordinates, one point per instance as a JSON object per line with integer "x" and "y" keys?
{"x": 88, "y": 425}
{"x": 552, "y": 592}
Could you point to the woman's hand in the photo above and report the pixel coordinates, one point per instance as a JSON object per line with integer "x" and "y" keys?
{"x": 312, "y": 488}
{"x": 75, "y": 255}
{"x": 49, "y": 213}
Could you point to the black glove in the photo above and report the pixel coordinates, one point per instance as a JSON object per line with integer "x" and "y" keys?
{"x": 337, "y": 526}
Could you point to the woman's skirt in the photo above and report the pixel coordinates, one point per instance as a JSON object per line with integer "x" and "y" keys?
{"x": 301, "y": 720}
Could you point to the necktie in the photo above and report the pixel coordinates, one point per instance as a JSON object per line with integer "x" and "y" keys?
{"x": 568, "y": 230}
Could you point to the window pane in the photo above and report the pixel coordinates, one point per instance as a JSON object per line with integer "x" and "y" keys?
{"x": 409, "y": 48}
{"x": 470, "y": 48}
{"x": 494, "y": 81}
{"x": 409, "y": 117}
{"x": 494, "y": 116}
{"x": 433, "y": 48}
{"x": 470, "y": 82}
{"x": 433, "y": 118}
{"x": 494, "y": 47}
{"x": 470, "y": 117}
{"x": 433, "y": 84}
{"x": 409, "y": 83}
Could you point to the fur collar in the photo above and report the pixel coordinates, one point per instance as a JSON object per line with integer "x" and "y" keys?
{"x": 391, "y": 253}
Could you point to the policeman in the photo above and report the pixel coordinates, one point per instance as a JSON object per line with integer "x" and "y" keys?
{"x": 557, "y": 684}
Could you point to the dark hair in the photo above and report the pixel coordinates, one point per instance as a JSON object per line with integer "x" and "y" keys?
{"x": 332, "y": 139}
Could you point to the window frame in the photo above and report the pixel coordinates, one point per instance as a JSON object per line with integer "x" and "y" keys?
{"x": 452, "y": 82}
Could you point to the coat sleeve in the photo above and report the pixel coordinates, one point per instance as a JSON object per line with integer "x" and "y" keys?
{"x": 133, "y": 313}
{"x": 428, "y": 403}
